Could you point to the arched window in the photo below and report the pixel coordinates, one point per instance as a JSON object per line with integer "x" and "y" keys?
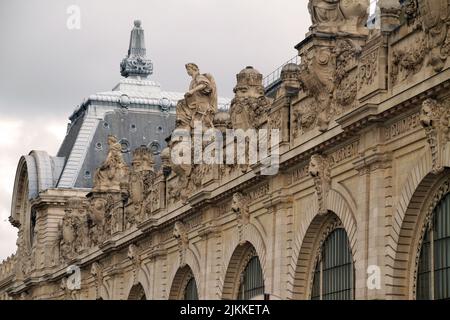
{"x": 252, "y": 280}
{"x": 433, "y": 274}
{"x": 137, "y": 293}
{"x": 334, "y": 273}
{"x": 190, "y": 292}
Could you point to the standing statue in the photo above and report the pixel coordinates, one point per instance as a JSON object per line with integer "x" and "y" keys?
{"x": 200, "y": 103}
{"x": 113, "y": 171}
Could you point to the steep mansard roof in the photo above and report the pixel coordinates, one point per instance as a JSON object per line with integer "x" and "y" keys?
{"x": 137, "y": 111}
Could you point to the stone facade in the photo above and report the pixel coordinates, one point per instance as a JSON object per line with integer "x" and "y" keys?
{"x": 364, "y": 129}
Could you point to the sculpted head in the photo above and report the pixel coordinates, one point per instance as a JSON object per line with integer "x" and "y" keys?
{"x": 249, "y": 84}
{"x": 112, "y": 140}
{"x": 315, "y": 165}
{"x": 236, "y": 202}
{"x": 192, "y": 69}
{"x": 427, "y": 112}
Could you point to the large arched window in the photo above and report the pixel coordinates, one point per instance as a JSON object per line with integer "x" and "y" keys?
{"x": 137, "y": 293}
{"x": 252, "y": 280}
{"x": 433, "y": 274}
{"x": 190, "y": 292}
{"x": 184, "y": 285}
{"x": 334, "y": 272}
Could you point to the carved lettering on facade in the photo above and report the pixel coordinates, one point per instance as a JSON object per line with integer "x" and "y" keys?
{"x": 348, "y": 152}
{"x": 259, "y": 192}
{"x": 403, "y": 126}
{"x": 299, "y": 174}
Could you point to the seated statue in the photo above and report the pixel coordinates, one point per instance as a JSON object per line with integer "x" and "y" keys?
{"x": 113, "y": 171}
{"x": 325, "y": 15}
{"x": 332, "y": 16}
{"x": 200, "y": 103}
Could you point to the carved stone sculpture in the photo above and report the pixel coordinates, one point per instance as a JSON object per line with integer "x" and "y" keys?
{"x": 332, "y": 16}
{"x": 355, "y": 13}
{"x": 250, "y": 105}
{"x": 239, "y": 206}
{"x": 97, "y": 273}
{"x": 113, "y": 171}
{"x": 317, "y": 78}
{"x": 180, "y": 233}
{"x": 200, "y": 103}
{"x": 69, "y": 236}
{"x": 435, "y": 19}
{"x": 134, "y": 255}
{"x": 199, "y": 106}
{"x": 141, "y": 182}
{"x": 319, "y": 170}
{"x": 249, "y": 108}
{"x": 290, "y": 80}
{"x": 435, "y": 119}
{"x": 325, "y": 15}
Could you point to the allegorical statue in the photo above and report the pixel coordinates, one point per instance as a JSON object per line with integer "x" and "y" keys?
{"x": 250, "y": 104}
{"x": 325, "y": 14}
{"x": 200, "y": 103}
{"x": 113, "y": 171}
{"x": 331, "y": 16}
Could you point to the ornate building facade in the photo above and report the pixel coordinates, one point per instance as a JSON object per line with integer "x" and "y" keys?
{"x": 359, "y": 209}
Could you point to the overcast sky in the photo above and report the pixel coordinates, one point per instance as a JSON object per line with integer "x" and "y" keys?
{"x": 47, "y": 69}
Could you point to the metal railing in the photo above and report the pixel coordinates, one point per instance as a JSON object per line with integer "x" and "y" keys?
{"x": 275, "y": 75}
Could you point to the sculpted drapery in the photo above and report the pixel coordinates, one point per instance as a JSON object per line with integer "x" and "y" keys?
{"x": 200, "y": 103}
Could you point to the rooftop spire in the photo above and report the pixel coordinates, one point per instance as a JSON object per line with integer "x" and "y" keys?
{"x": 136, "y": 63}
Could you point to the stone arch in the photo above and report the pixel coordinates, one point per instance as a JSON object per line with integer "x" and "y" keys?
{"x": 405, "y": 228}
{"x": 252, "y": 236}
{"x": 307, "y": 240}
{"x": 137, "y": 292}
{"x": 141, "y": 279}
{"x": 23, "y": 190}
{"x": 35, "y": 172}
{"x": 103, "y": 293}
{"x": 236, "y": 265}
{"x": 180, "y": 281}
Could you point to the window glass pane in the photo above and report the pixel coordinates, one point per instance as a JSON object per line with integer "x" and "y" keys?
{"x": 315, "y": 294}
{"x": 190, "y": 292}
{"x": 252, "y": 281}
{"x": 337, "y": 272}
{"x": 439, "y": 255}
{"x": 441, "y": 258}
{"x": 423, "y": 274}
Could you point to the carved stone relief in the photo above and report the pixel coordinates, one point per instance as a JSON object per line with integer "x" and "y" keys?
{"x": 319, "y": 170}
{"x": 240, "y": 208}
{"x": 435, "y": 119}
{"x": 181, "y": 235}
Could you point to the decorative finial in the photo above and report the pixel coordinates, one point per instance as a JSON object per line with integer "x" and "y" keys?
{"x": 136, "y": 63}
